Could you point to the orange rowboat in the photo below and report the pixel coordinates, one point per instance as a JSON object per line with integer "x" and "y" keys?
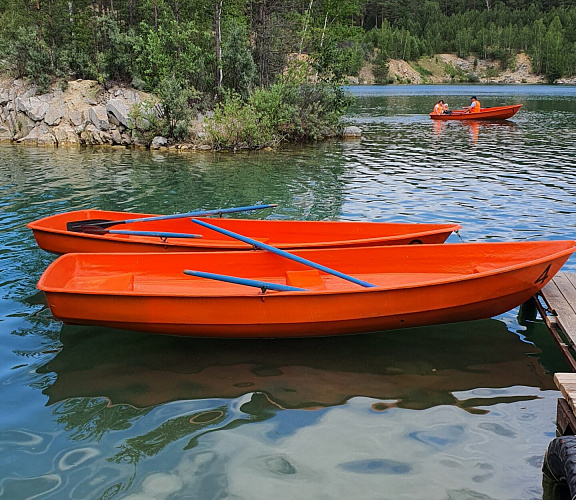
{"x": 413, "y": 286}
{"x": 498, "y": 113}
{"x": 52, "y": 235}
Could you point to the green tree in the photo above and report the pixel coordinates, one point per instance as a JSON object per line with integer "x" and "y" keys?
{"x": 239, "y": 70}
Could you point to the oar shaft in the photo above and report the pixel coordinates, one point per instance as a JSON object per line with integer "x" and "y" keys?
{"x": 264, "y": 285}
{"x": 200, "y": 213}
{"x": 282, "y": 253}
{"x": 152, "y": 233}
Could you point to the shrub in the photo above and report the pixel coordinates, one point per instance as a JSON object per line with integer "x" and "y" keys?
{"x": 283, "y": 112}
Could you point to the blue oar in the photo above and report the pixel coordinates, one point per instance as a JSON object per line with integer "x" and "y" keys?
{"x": 282, "y": 253}
{"x": 84, "y": 226}
{"x": 263, "y": 285}
{"x": 151, "y": 233}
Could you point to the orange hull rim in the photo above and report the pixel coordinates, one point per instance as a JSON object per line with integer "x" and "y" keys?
{"x": 415, "y": 286}
{"x": 51, "y": 234}
{"x": 497, "y": 113}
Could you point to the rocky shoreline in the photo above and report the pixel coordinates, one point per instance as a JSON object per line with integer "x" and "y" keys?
{"x": 83, "y": 114}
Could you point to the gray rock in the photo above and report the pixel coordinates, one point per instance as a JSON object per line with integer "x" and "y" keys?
{"x": 205, "y": 147}
{"x": 22, "y": 104}
{"x": 159, "y": 142}
{"x": 22, "y": 124}
{"x": 116, "y": 136}
{"x": 4, "y": 97}
{"x": 118, "y": 109}
{"x": 65, "y": 134}
{"x": 41, "y": 135}
{"x": 76, "y": 117}
{"x": 92, "y": 135}
{"x": 126, "y": 140}
{"x": 54, "y": 114}
{"x": 352, "y": 132}
{"x": 5, "y": 132}
{"x": 99, "y": 117}
{"x": 131, "y": 97}
{"x": 37, "y": 109}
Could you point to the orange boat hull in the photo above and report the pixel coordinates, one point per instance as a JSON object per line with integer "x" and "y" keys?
{"x": 52, "y": 236}
{"x": 497, "y": 113}
{"x": 415, "y": 286}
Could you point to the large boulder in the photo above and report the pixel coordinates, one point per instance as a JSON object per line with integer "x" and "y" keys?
{"x": 65, "y": 134}
{"x": 33, "y": 107}
{"x": 41, "y": 135}
{"x": 118, "y": 109}
{"x": 22, "y": 124}
{"x": 159, "y": 142}
{"x": 352, "y": 132}
{"x": 76, "y": 117}
{"x": 55, "y": 113}
{"x": 93, "y": 136}
{"x": 5, "y": 132}
{"x": 99, "y": 117}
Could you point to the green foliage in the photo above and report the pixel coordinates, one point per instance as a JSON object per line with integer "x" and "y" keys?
{"x": 29, "y": 58}
{"x": 237, "y": 124}
{"x": 239, "y": 70}
{"x": 170, "y": 117}
{"x": 145, "y": 122}
{"x": 115, "y": 59}
{"x": 380, "y": 68}
{"x": 283, "y": 112}
{"x": 169, "y": 52}
{"x": 178, "y": 105}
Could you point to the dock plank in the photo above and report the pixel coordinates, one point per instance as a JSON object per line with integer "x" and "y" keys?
{"x": 566, "y": 383}
{"x": 560, "y": 297}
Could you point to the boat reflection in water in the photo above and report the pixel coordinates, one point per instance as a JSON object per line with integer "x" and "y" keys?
{"x": 417, "y": 368}
{"x": 475, "y": 127}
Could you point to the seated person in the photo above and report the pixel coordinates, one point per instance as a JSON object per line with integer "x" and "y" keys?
{"x": 474, "y": 105}
{"x": 439, "y": 107}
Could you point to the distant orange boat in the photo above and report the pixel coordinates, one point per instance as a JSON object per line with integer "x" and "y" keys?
{"x": 407, "y": 286}
{"x": 52, "y": 233}
{"x": 497, "y": 113}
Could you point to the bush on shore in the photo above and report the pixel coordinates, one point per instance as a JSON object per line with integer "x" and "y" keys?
{"x": 283, "y": 112}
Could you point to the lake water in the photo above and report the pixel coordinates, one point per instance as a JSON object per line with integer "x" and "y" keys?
{"x": 462, "y": 411}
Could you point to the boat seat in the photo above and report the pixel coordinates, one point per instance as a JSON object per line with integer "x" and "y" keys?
{"x": 122, "y": 282}
{"x": 309, "y": 279}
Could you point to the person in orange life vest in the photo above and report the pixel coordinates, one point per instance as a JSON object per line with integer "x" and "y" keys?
{"x": 440, "y": 108}
{"x": 474, "y": 105}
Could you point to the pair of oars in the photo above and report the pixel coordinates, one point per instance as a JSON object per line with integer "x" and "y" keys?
{"x": 264, "y": 285}
{"x": 99, "y": 226}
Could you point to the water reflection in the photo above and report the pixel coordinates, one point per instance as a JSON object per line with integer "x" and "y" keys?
{"x": 146, "y": 370}
{"x": 475, "y": 128}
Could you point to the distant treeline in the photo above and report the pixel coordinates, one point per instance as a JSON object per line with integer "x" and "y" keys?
{"x": 242, "y": 44}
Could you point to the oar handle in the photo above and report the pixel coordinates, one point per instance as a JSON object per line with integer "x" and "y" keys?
{"x": 203, "y": 213}
{"x": 153, "y": 234}
{"x": 263, "y": 285}
{"x": 282, "y": 253}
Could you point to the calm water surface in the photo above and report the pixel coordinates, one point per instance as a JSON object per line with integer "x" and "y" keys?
{"x": 462, "y": 411}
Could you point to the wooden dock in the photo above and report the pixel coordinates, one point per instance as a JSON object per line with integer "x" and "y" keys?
{"x": 556, "y": 304}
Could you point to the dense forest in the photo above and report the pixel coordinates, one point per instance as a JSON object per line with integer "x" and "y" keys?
{"x": 200, "y": 52}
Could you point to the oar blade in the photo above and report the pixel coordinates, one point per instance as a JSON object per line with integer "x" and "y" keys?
{"x": 91, "y": 226}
